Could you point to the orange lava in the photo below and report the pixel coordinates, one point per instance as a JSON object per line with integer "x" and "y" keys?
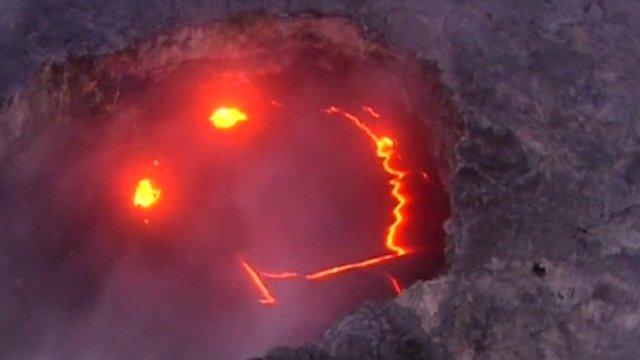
{"x": 146, "y": 194}
{"x": 267, "y": 298}
{"x": 395, "y": 284}
{"x": 370, "y": 111}
{"x": 386, "y": 151}
{"x": 227, "y": 117}
{"x": 279, "y": 275}
{"x": 351, "y": 266}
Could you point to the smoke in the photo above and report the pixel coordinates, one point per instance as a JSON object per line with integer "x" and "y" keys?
{"x": 290, "y": 189}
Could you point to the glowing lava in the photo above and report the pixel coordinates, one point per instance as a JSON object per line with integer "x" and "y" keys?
{"x": 395, "y": 284}
{"x": 146, "y": 194}
{"x": 226, "y": 118}
{"x": 386, "y": 151}
{"x": 280, "y": 275}
{"x": 351, "y": 266}
{"x": 267, "y": 298}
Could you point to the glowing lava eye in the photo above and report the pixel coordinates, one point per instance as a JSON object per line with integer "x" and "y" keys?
{"x": 146, "y": 194}
{"x": 226, "y": 118}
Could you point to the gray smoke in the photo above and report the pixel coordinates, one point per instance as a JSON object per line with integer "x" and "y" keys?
{"x": 291, "y": 189}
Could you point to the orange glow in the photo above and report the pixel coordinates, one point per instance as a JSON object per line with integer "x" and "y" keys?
{"x": 386, "y": 151}
{"x": 370, "y": 111}
{"x": 146, "y": 194}
{"x": 267, "y": 298}
{"x": 226, "y": 118}
{"x": 395, "y": 284}
{"x": 280, "y": 275}
{"x": 351, "y": 266}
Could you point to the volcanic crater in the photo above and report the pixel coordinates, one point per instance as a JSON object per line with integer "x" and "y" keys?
{"x": 331, "y": 190}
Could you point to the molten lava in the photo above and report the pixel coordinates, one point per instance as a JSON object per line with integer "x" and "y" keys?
{"x": 227, "y": 117}
{"x": 370, "y": 111}
{"x": 395, "y": 284}
{"x": 280, "y": 275}
{"x": 267, "y": 298}
{"x": 350, "y": 266}
{"x": 386, "y": 151}
{"x": 146, "y": 194}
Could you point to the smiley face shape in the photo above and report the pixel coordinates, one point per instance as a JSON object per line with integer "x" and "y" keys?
{"x": 177, "y": 187}
{"x": 256, "y": 146}
{"x": 146, "y": 195}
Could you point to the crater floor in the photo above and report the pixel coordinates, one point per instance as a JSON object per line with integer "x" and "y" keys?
{"x": 545, "y": 242}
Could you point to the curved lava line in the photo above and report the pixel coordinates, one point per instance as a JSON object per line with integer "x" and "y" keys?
{"x": 395, "y": 284}
{"x": 386, "y": 151}
{"x": 267, "y": 298}
{"x": 279, "y": 275}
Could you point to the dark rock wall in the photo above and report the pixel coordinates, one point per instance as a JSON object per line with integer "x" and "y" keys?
{"x": 545, "y": 239}
{"x": 546, "y": 254}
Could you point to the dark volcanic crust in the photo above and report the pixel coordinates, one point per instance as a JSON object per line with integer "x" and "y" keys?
{"x": 547, "y": 174}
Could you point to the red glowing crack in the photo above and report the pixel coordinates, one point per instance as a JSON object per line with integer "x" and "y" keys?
{"x": 279, "y": 275}
{"x": 394, "y": 283}
{"x": 386, "y": 151}
{"x": 267, "y": 298}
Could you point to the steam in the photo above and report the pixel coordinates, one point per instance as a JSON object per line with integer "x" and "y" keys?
{"x": 288, "y": 189}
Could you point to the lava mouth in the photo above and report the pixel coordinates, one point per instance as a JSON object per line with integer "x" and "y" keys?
{"x": 385, "y": 151}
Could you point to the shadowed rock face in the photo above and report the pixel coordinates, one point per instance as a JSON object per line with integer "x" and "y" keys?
{"x": 544, "y": 235}
{"x": 375, "y": 331}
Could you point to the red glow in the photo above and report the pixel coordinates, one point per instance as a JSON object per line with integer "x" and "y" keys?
{"x": 148, "y": 190}
{"x": 386, "y": 151}
{"x": 351, "y": 266}
{"x": 228, "y": 103}
{"x": 370, "y": 111}
{"x": 147, "y": 194}
{"x": 227, "y": 117}
{"x": 267, "y": 298}
{"x": 395, "y": 284}
{"x": 279, "y": 275}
